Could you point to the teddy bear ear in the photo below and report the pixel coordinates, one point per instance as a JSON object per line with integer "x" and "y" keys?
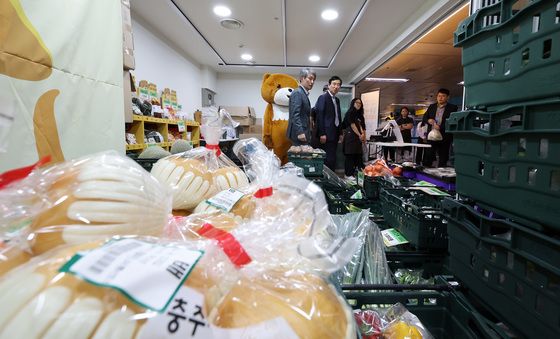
{"x": 266, "y": 76}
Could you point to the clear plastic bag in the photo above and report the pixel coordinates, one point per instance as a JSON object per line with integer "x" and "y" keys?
{"x": 281, "y": 291}
{"x": 395, "y": 322}
{"x": 196, "y": 175}
{"x": 90, "y": 198}
{"x": 368, "y": 264}
{"x": 126, "y": 288}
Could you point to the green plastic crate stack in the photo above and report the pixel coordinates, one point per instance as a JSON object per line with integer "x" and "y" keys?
{"x": 509, "y": 160}
{"x": 416, "y": 215}
{"x": 513, "y": 268}
{"x": 511, "y": 53}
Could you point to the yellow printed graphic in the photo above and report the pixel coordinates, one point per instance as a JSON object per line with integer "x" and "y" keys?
{"x": 23, "y": 55}
{"x": 44, "y": 127}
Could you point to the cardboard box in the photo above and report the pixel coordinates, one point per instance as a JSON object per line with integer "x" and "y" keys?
{"x": 244, "y": 121}
{"x": 253, "y": 129}
{"x": 128, "y": 38}
{"x": 127, "y": 89}
{"x": 240, "y": 111}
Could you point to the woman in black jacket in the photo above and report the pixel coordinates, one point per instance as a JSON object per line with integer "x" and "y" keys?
{"x": 354, "y": 137}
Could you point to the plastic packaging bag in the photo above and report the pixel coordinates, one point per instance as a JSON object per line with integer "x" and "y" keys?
{"x": 281, "y": 292}
{"x": 195, "y": 175}
{"x": 378, "y": 168}
{"x": 368, "y": 264}
{"x": 396, "y": 322}
{"x": 435, "y": 135}
{"x": 90, "y": 198}
{"x": 126, "y": 288}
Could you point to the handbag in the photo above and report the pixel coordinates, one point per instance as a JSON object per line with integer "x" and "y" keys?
{"x": 387, "y": 135}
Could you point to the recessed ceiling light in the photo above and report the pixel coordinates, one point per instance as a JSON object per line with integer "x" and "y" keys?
{"x": 246, "y": 57}
{"x": 222, "y": 11}
{"x": 329, "y": 14}
{"x": 387, "y": 79}
{"x": 314, "y": 58}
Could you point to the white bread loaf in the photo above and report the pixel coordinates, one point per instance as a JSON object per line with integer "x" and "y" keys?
{"x": 189, "y": 179}
{"x": 41, "y": 302}
{"x": 229, "y": 177}
{"x": 92, "y": 198}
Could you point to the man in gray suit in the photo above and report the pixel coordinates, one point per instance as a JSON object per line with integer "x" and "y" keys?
{"x": 299, "y": 131}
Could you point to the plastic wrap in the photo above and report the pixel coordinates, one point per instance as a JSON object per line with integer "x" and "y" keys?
{"x": 378, "y": 168}
{"x": 90, "y": 198}
{"x": 281, "y": 291}
{"x": 376, "y": 269}
{"x": 395, "y": 322}
{"x": 126, "y": 288}
{"x": 368, "y": 264}
{"x": 196, "y": 175}
{"x": 406, "y": 276}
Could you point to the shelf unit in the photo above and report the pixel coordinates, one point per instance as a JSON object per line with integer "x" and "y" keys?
{"x": 165, "y": 127}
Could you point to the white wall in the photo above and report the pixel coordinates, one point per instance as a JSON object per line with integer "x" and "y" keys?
{"x": 245, "y": 90}
{"x": 161, "y": 64}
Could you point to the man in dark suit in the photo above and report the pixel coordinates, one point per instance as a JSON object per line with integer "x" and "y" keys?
{"x": 435, "y": 118}
{"x": 299, "y": 131}
{"x": 329, "y": 121}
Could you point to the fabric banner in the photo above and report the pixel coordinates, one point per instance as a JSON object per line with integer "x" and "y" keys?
{"x": 61, "y": 82}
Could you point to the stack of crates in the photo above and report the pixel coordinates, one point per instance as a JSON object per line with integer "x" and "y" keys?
{"x": 311, "y": 163}
{"x": 504, "y": 243}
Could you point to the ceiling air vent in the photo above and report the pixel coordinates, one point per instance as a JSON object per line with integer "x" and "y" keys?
{"x": 231, "y": 23}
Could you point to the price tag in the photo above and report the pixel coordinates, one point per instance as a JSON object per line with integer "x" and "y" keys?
{"x": 392, "y": 237}
{"x": 149, "y": 274}
{"x": 181, "y": 125}
{"x": 225, "y": 200}
{"x": 432, "y": 191}
{"x": 361, "y": 179}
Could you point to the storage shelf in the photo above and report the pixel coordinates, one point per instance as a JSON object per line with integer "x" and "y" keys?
{"x": 164, "y": 127}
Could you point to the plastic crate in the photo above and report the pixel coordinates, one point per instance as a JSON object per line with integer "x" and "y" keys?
{"x": 511, "y": 53}
{"x": 417, "y": 215}
{"x": 510, "y": 160}
{"x": 514, "y": 268}
{"x": 372, "y": 185}
{"x": 432, "y": 263}
{"x": 340, "y": 203}
{"x": 446, "y": 314}
{"x": 441, "y": 180}
{"x": 311, "y": 163}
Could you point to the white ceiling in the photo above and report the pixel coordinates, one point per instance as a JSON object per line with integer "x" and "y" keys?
{"x": 281, "y": 34}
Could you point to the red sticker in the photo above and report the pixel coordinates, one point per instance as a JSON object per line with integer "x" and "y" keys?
{"x": 231, "y": 247}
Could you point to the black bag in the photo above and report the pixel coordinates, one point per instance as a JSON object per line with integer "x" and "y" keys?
{"x": 387, "y": 135}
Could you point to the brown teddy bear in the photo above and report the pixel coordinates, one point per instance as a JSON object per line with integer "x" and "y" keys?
{"x": 276, "y": 89}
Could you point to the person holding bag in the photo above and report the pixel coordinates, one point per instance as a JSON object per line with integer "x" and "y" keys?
{"x": 354, "y": 138}
{"x": 435, "y": 117}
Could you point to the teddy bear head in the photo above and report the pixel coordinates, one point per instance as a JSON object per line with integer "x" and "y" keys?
{"x": 273, "y": 82}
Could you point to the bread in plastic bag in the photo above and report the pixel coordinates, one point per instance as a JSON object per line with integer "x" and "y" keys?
{"x": 282, "y": 291}
{"x": 196, "y": 175}
{"x": 72, "y": 293}
{"x": 89, "y": 198}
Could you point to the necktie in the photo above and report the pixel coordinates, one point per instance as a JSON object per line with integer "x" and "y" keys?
{"x": 336, "y": 122}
